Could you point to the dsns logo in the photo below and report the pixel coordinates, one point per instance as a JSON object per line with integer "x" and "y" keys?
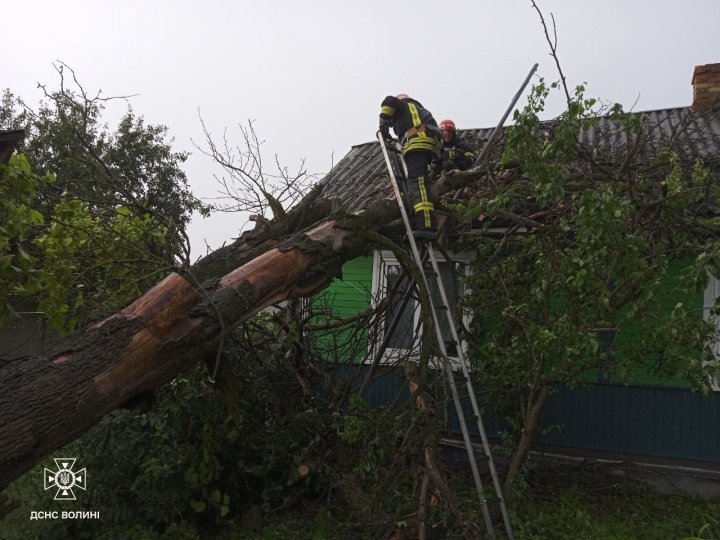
{"x": 64, "y": 479}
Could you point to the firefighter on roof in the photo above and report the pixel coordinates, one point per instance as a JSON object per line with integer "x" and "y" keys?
{"x": 456, "y": 154}
{"x": 419, "y": 135}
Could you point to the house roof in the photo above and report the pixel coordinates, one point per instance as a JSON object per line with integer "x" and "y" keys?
{"x": 361, "y": 176}
{"x": 690, "y": 133}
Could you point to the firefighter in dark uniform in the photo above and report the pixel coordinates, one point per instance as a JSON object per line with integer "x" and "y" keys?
{"x": 456, "y": 154}
{"x": 419, "y": 135}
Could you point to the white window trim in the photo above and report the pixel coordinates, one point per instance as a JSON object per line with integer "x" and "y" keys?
{"x": 712, "y": 291}
{"x": 381, "y": 259}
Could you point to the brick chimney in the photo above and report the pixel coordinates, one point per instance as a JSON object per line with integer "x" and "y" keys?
{"x": 706, "y": 86}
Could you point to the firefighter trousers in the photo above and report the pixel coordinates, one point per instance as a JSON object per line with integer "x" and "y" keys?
{"x": 422, "y": 210}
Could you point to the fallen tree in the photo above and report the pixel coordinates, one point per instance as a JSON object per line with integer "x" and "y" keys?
{"x": 48, "y": 401}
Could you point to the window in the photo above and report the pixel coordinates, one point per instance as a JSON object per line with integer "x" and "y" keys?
{"x": 712, "y": 291}
{"x": 402, "y": 337}
{"x": 388, "y": 279}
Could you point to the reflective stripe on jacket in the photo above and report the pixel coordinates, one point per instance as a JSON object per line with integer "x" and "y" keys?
{"x": 457, "y": 154}
{"x": 410, "y": 117}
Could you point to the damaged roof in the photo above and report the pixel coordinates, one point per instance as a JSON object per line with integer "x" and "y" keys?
{"x": 361, "y": 176}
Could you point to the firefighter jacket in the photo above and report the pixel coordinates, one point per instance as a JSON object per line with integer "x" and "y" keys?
{"x": 412, "y": 123}
{"x": 457, "y": 154}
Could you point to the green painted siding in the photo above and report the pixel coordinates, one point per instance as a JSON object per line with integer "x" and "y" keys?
{"x": 670, "y": 294}
{"x": 352, "y": 294}
{"x": 344, "y": 298}
{"x": 649, "y": 417}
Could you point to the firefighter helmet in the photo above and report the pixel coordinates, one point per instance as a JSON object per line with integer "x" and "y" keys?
{"x": 448, "y": 125}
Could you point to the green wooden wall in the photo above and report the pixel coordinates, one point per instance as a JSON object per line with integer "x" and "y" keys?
{"x": 671, "y": 292}
{"x": 352, "y": 294}
{"x": 344, "y": 298}
{"x": 647, "y": 415}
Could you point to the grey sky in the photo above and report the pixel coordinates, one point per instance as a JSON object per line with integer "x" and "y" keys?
{"x": 312, "y": 74}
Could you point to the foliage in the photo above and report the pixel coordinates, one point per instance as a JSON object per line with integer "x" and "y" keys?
{"x": 551, "y": 307}
{"x": 132, "y": 165}
{"x": 19, "y": 272}
{"x": 103, "y": 221}
{"x": 201, "y": 455}
{"x": 562, "y": 507}
{"x": 71, "y": 262}
{"x": 97, "y": 264}
{"x": 589, "y": 287}
{"x": 200, "y": 459}
{"x": 574, "y": 506}
{"x": 185, "y": 461}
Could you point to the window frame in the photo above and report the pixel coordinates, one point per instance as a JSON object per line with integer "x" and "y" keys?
{"x": 383, "y": 259}
{"x": 711, "y": 292}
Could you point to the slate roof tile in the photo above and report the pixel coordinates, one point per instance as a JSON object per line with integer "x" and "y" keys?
{"x": 361, "y": 176}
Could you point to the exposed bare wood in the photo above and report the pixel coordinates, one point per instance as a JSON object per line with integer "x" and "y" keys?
{"x": 303, "y": 470}
{"x": 48, "y": 401}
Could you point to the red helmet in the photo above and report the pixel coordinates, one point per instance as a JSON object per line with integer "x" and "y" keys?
{"x": 448, "y": 125}
{"x": 402, "y": 96}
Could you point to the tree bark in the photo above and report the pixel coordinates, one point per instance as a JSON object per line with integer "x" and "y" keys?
{"x": 430, "y": 471}
{"x": 48, "y": 401}
{"x": 535, "y": 407}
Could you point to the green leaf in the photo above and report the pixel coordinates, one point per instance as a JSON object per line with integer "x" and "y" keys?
{"x": 198, "y": 506}
{"x": 35, "y": 217}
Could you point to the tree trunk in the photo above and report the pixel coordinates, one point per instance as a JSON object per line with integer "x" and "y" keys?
{"x": 430, "y": 471}
{"x": 535, "y": 407}
{"x": 48, "y": 401}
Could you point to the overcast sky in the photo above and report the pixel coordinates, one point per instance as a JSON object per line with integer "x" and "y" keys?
{"x": 312, "y": 74}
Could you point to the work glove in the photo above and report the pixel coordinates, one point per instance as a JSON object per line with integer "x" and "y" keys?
{"x": 385, "y": 131}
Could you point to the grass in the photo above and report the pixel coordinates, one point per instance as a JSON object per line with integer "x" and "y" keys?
{"x": 551, "y": 505}
{"x": 552, "y": 508}
{"x": 583, "y": 508}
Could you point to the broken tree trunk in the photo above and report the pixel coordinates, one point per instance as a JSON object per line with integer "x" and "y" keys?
{"x": 48, "y": 401}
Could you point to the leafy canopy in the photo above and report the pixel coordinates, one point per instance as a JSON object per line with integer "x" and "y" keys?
{"x": 605, "y": 255}
{"x": 91, "y": 216}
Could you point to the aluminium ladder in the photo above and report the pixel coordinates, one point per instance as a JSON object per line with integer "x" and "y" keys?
{"x": 479, "y": 161}
{"x": 419, "y": 260}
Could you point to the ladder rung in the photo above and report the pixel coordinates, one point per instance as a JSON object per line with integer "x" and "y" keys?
{"x": 427, "y": 249}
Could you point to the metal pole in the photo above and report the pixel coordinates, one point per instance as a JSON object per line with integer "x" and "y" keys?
{"x": 497, "y": 129}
